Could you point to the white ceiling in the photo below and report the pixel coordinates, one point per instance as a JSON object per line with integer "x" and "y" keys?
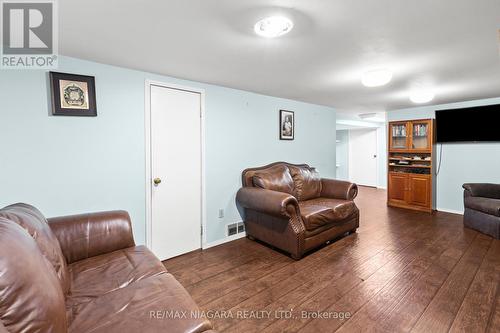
{"x": 450, "y": 45}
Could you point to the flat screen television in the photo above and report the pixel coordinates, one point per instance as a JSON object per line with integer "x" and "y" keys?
{"x": 481, "y": 123}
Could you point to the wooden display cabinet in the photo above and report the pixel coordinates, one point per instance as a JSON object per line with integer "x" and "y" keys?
{"x": 411, "y": 180}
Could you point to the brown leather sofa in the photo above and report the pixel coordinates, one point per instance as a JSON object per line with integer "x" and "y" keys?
{"x": 290, "y": 207}
{"x": 482, "y": 208}
{"x": 84, "y": 273}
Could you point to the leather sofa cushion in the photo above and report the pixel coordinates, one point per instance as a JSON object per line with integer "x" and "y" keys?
{"x": 485, "y": 205}
{"x": 322, "y": 211}
{"x": 275, "y": 178}
{"x": 307, "y": 182}
{"x": 97, "y": 276}
{"x": 30, "y": 292}
{"x": 91, "y": 234}
{"x": 143, "y": 306}
{"x": 32, "y": 220}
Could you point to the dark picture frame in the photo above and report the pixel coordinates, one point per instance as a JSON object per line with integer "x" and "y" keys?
{"x": 73, "y": 95}
{"x": 287, "y": 125}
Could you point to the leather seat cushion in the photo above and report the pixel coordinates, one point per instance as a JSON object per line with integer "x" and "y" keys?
{"x": 276, "y": 178}
{"x": 143, "y": 306}
{"x": 32, "y": 220}
{"x": 485, "y": 205}
{"x": 97, "y": 276}
{"x": 307, "y": 182}
{"x": 31, "y": 297}
{"x": 322, "y": 211}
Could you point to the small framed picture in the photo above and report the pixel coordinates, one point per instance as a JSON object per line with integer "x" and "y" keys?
{"x": 287, "y": 125}
{"x": 73, "y": 95}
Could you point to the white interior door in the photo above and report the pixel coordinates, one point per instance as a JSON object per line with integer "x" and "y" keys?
{"x": 175, "y": 171}
{"x": 363, "y": 156}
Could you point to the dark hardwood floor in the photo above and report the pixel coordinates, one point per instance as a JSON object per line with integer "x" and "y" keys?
{"x": 402, "y": 271}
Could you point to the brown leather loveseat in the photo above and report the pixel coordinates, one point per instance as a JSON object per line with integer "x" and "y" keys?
{"x": 84, "y": 273}
{"x": 290, "y": 207}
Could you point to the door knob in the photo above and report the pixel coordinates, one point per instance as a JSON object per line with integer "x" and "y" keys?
{"x": 157, "y": 181}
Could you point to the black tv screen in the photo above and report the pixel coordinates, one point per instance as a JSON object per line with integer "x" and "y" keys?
{"x": 480, "y": 123}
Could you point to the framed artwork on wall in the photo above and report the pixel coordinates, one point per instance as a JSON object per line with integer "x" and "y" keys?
{"x": 73, "y": 95}
{"x": 287, "y": 125}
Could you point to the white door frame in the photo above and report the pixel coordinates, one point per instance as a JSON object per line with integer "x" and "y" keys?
{"x": 147, "y": 131}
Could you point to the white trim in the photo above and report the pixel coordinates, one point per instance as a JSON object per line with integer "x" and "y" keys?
{"x": 147, "y": 133}
{"x": 382, "y": 187}
{"x": 224, "y": 240}
{"x": 453, "y": 211}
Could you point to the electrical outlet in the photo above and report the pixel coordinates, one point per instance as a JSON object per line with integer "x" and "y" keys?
{"x": 235, "y": 228}
{"x": 232, "y": 229}
{"x": 221, "y": 213}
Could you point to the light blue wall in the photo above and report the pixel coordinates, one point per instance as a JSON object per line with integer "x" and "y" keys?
{"x": 343, "y": 154}
{"x": 461, "y": 162}
{"x": 67, "y": 165}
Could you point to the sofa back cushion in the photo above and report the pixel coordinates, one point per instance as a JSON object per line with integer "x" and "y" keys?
{"x": 32, "y": 220}
{"x": 31, "y": 298}
{"x": 275, "y": 178}
{"x": 307, "y": 182}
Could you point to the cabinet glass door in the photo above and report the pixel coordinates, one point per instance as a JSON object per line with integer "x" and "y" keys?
{"x": 399, "y": 136}
{"x": 420, "y": 136}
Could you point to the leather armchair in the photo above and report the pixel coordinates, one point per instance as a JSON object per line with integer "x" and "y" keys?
{"x": 482, "y": 208}
{"x": 290, "y": 207}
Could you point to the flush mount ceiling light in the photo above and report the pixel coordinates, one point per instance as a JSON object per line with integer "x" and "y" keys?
{"x": 273, "y": 26}
{"x": 421, "y": 96}
{"x": 367, "y": 115}
{"x": 372, "y": 117}
{"x": 376, "y": 78}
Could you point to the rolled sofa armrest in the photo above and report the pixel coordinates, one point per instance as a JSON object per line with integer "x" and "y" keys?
{"x": 88, "y": 235}
{"x": 338, "y": 189}
{"x": 485, "y": 190}
{"x": 267, "y": 201}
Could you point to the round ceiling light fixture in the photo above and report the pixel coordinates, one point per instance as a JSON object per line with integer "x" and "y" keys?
{"x": 421, "y": 96}
{"x": 376, "y": 78}
{"x": 273, "y": 26}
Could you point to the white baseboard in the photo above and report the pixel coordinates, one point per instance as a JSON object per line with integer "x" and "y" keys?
{"x": 453, "y": 211}
{"x": 382, "y": 188}
{"x": 224, "y": 240}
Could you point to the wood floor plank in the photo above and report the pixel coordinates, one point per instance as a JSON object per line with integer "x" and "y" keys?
{"x": 211, "y": 288}
{"x": 197, "y": 273}
{"x": 322, "y": 278}
{"x": 377, "y": 241}
{"x": 410, "y": 307}
{"x": 479, "y": 302}
{"x": 298, "y": 285}
{"x": 209, "y": 257}
{"x": 358, "y": 297}
{"x": 402, "y": 270}
{"x": 443, "y": 308}
{"x": 375, "y": 313}
{"x": 494, "y": 320}
{"x": 307, "y": 281}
